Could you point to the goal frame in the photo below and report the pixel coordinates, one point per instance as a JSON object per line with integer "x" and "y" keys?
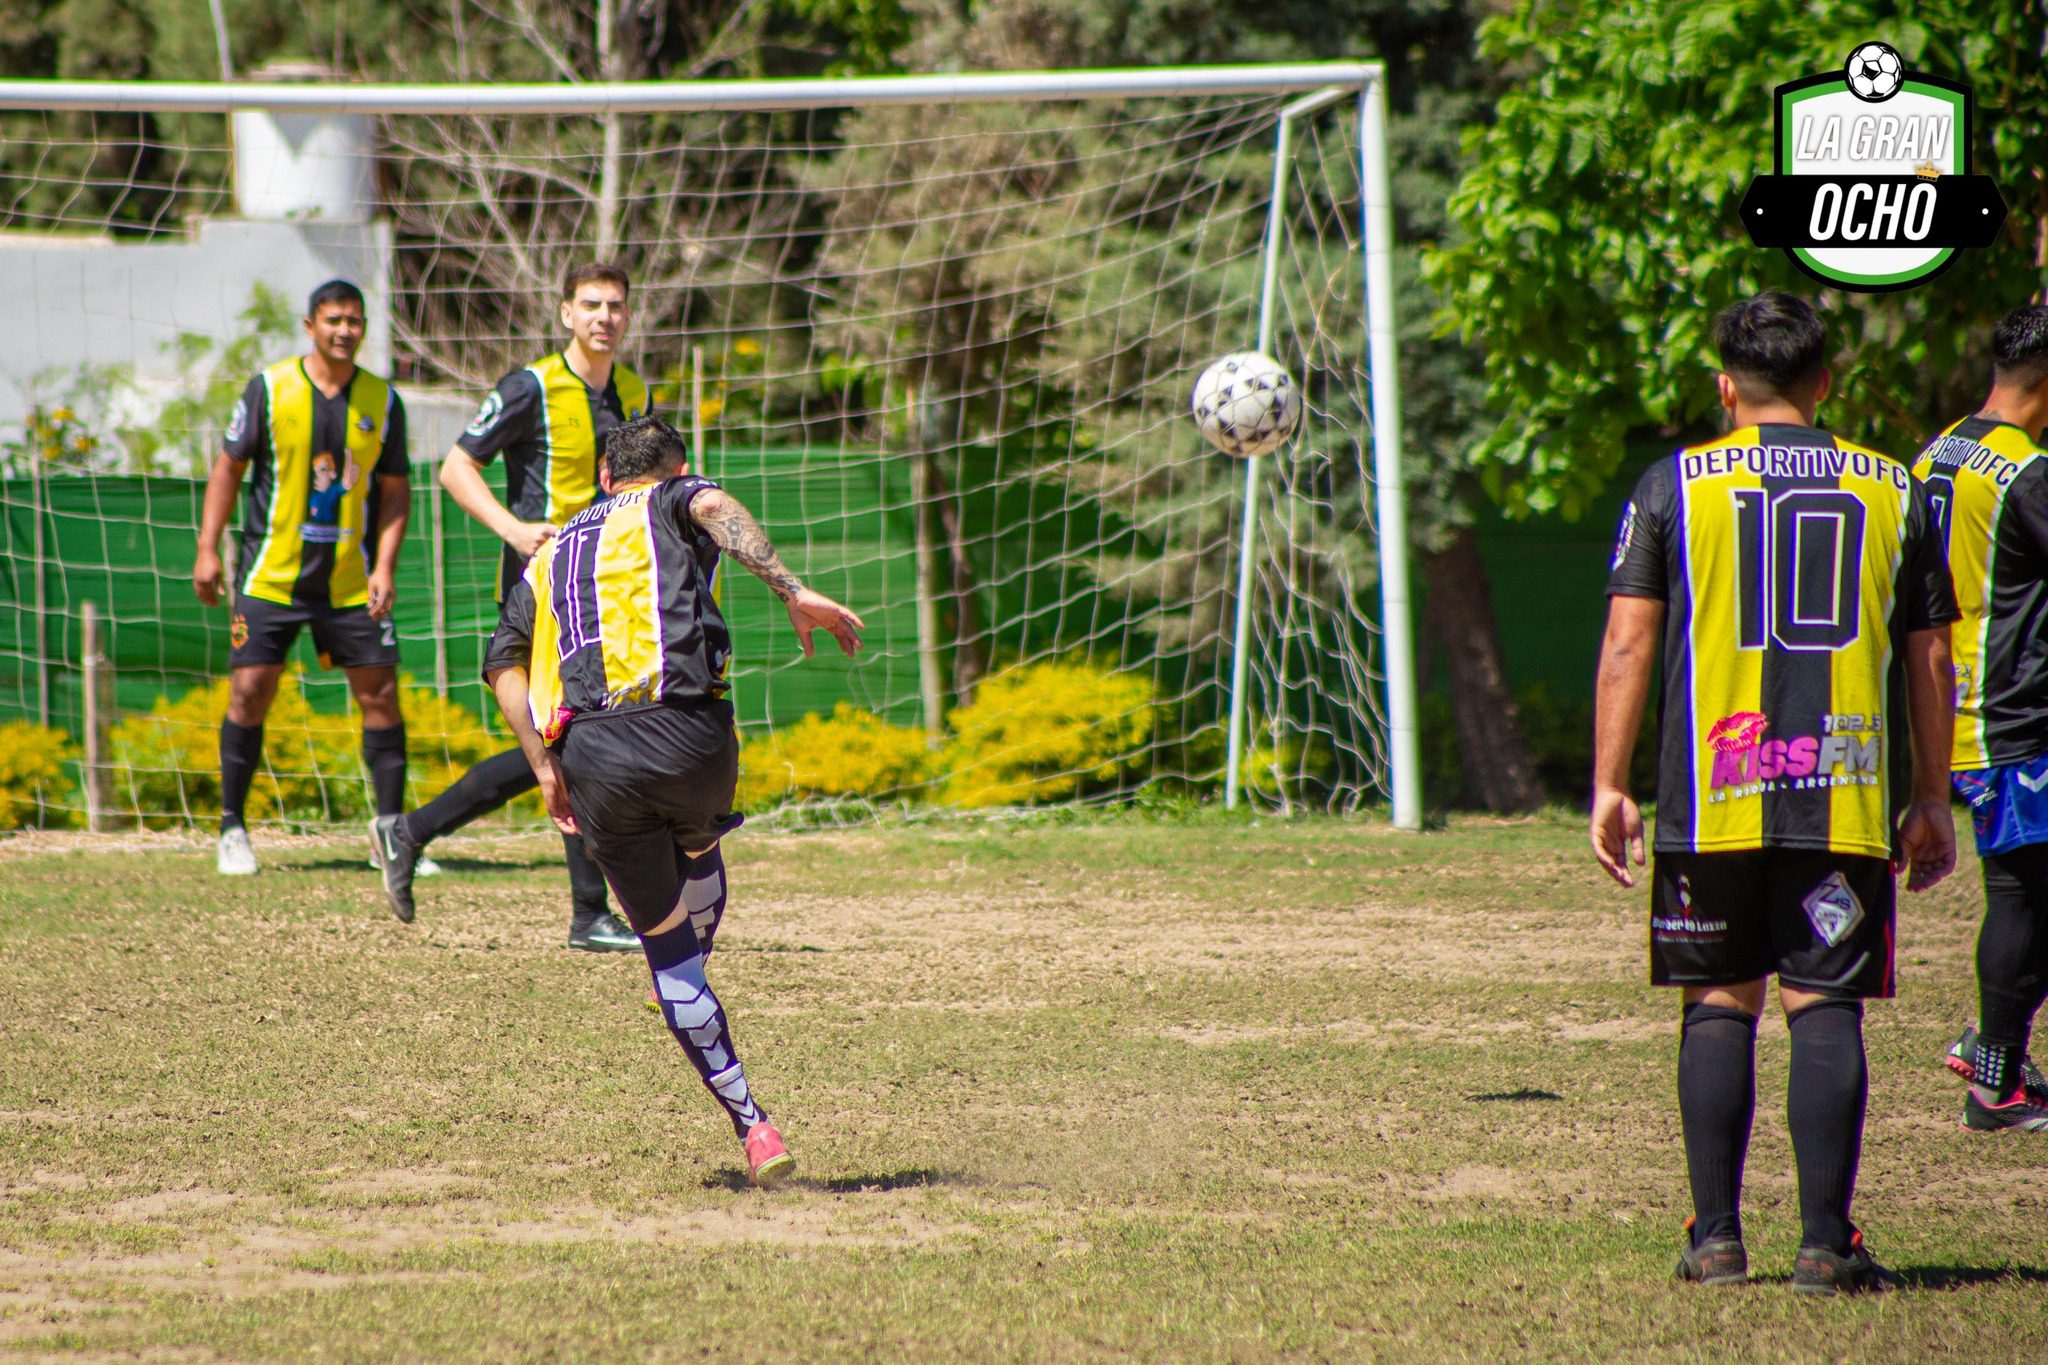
{"x": 1320, "y": 85}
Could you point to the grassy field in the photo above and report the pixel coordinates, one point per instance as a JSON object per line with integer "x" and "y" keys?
{"x": 1059, "y": 1091}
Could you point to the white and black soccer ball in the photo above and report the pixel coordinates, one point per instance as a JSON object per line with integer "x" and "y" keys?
{"x": 1875, "y": 72}
{"x": 1247, "y": 404}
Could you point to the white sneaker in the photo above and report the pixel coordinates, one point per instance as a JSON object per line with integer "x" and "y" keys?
{"x": 422, "y": 866}
{"x": 234, "y": 857}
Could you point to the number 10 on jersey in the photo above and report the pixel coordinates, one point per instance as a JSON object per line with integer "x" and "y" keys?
{"x": 1798, "y": 568}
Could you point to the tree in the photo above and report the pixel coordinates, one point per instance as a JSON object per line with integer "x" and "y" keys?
{"x": 1599, "y": 236}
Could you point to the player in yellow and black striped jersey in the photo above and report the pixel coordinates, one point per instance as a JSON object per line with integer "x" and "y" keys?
{"x": 549, "y": 420}
{"x": 1794, "y": 587}
{"x": 609, "y": 665}
{"x": 322, "y": 442}
{"x": 1988, "y": 478}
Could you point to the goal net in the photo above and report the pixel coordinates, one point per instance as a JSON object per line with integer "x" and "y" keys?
{"x": 943, "y": 347}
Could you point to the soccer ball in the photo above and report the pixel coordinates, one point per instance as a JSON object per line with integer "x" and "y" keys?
{"x": 1875, "y": 72}
{"x": 1247, "y": 404}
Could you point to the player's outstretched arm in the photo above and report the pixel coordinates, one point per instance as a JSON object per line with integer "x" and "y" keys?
{"x": 223, "y": 481}
{"x": 1927, "y": 836}
{"x": 737, "y": 534}
{"x": 1627, "y": 655}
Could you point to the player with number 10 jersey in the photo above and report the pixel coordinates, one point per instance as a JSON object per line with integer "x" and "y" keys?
{"x": 1791, "y": 561}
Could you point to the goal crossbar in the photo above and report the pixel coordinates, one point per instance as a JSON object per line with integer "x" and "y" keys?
{"x": 648, "y": 97}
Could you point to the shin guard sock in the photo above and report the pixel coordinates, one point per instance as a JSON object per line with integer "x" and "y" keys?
{"x": 704, "y": 895}
{"x": 481, "y": 790}
{"x": 1716, "y": 1104}
{"x": 241, "y": 753}
{"x": 1826, "y": 1096}
{"x": 586, "y": 883}
{"x": 384, "y": 756}
{"x": 698, "y": 1023}
{"x": 2012, "y": 975}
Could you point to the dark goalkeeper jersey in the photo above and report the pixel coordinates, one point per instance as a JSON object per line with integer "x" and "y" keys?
{"x": 616, "y": 611}
{"x": 1988, "y": 484}
{"x": 1791, "y": 564}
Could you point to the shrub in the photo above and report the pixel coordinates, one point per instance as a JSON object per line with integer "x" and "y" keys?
{"x": 166, "y": 763}
{"x": 1045, "y": 732}
{"x": 853, "y": 753}
{"x": 34, "y": 787}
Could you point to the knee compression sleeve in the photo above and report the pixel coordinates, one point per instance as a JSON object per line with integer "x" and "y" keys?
{"x": 698, "y": 1022}
{"x": 704, "y": 894}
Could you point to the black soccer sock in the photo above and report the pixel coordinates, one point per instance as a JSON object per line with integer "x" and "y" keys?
{"x": 485, "y": 787}
{"x": 1826, "y": 1096}
{"x": 586, "y": 883}
{"x": 2012, "y": 966}
{"x": 695, "y": 1017}
{"x": 1716, "y": 1103}
{"x": 241, "y": 753}
{"x": 384, "y": 756}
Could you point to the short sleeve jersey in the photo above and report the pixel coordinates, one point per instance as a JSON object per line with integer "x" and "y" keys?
{"x": 288, "y": 552}
{"x": 1988, "y": 485}
{"x": 616, "y": 611}
{"x": 1791, "y": 565}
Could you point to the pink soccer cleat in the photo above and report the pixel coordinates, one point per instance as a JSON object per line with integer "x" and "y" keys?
{"x": 767, "y": 1159}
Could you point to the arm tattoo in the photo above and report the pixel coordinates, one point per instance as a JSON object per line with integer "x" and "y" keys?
{"x": 739, "y": 535}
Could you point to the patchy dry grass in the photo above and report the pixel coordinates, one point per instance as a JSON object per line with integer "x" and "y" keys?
{"x": 1172, "y": 1090}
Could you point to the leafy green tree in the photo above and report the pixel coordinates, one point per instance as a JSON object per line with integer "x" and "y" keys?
{"x": 1598, "y": 234}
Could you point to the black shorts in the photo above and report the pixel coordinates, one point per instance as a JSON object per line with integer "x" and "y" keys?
{"x": 264, "y": 632}
{"x": 1822, "y": 921}
{"x": 648, "y": 786}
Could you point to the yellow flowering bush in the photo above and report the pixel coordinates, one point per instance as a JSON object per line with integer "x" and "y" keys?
{"x": 851, "y": 753}
{"x": 166, "y": 762}
{"x": 34, "y": 786}
{"x": 1045, "y": 732}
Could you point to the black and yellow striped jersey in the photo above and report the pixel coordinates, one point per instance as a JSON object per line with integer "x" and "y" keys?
{"x": 1988, "y": 484}
{"x": 309, "y": 535}
{"x": 1791, "y": 564}
{"x": 616, "y": 611}
{"x": 547, "y": 423}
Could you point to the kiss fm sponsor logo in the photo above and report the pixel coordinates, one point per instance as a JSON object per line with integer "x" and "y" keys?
{"x": 1848, "y": 752}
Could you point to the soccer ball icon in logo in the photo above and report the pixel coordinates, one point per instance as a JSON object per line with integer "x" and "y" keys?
{"x": 1246, "y": 404}
{"x": 1875, "y": 72}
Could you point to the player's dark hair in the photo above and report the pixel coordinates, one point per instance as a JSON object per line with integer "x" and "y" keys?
{"x": 579, "y": 275}
{"x": 1773, "y": 342}
{"x": 643, "y": 446}
{"x": 335, "y": 291}
{"x": 2019, "y": 347}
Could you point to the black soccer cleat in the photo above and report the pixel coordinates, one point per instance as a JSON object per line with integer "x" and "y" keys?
{"x": 603, "y": 934}
{"x": 1962, "y": 1059}
{"x": 1722, "y": 1261}
{"x": 396, "y": 856}
{"x": 1824, "y": 1273}
{"x": 2022, "y": 1114}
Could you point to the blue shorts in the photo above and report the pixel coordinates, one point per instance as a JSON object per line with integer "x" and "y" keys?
{"x": 2008, "y": 804}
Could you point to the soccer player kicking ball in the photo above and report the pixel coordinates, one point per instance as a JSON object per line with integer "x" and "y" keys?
{"x": 609, "y": 665}
{"x": 320, "y": 541}
{"x": 1988, "y": 482}
{"x": 1798, "y": 584}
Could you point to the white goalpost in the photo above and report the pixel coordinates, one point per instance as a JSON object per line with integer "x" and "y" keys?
{"x": 939, "y": 331}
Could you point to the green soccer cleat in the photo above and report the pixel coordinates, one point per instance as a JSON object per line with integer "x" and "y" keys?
{"x": 1723, "y": 1261}
{"x": 1824, "y": 1273}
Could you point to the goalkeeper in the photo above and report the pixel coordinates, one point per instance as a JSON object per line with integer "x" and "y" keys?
{"x": 548, "y": 419}
{"x": 609, "y": 665}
